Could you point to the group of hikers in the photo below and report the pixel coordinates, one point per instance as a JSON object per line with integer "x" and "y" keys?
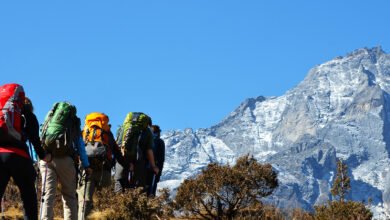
{"x": 81, "y": 160}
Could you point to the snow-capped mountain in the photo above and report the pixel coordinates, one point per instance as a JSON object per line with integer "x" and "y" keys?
{"x": 340, "y": 110}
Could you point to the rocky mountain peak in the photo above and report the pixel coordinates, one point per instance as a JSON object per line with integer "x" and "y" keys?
{"x": 340, "y": 110}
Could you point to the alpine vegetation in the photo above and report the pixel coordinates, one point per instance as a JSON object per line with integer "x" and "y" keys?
{"x": 227, "y": 192}
{"x": 340, "y": 110}
{"x": 341, "y": 209}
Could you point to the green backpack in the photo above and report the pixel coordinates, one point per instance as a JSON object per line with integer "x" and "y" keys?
{"x": 60, "y": 128}
{"x": 130, "y": 134}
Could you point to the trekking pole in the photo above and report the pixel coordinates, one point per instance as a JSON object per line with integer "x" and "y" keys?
{"x": 2, "y": 208}
{"x": 36, "y": 182}
{"x": 30, "y": 151}
{"x": 85, "y": 192}
{"x": 43, "y": 192}
{"x": 152, "y": 185}
{"x": 35, "y": 164}
{"x": 131, "y": 180}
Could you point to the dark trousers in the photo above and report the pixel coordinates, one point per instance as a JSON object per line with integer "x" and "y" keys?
{"x": 154, "y": 184}
{"x": 23, "y": 173}
{"x": 138, "y": 178}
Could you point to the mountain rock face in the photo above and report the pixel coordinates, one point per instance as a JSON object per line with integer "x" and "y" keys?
{"x": 340, "y": 110}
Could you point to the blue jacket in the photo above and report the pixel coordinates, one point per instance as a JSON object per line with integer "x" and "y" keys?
{"x": 80, "y": 147}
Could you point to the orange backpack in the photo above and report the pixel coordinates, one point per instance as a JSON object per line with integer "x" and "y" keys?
{"x": 96, "y": 137}
{"x": 96, "y": 128}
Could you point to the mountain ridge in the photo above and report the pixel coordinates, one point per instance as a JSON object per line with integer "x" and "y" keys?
{"x": 341, "y": 109}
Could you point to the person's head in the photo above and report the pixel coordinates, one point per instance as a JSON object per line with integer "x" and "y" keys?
{"x": 156, "y": 130}
{"x": 28, "y": 105}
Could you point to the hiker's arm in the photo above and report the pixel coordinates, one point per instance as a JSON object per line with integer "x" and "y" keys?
{"x": 82, "y": 153}
{"x": 150, "y": 157}
{"x": 116, "y": 151}
{"x": 149, "y": 142}
{"x": 32, "y": 131}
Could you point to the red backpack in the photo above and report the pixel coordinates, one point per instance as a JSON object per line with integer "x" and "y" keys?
{"x": 11, "y": 103}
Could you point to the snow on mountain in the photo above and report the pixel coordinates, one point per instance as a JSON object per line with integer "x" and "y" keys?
{"x": 340, "y": 110}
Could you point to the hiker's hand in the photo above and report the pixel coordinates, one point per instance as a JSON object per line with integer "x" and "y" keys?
{"x": 131, "y": 167}
{"x": 47, "y": 158}
{"x": 88, "y": 171}
{"x": 156, "y": 170}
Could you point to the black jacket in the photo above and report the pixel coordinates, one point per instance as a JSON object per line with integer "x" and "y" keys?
{"x": 116, "y": 150}
{"x": 159, "y": 153}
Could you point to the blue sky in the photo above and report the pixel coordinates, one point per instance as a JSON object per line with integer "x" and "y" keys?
{"x": 186, "y": 63}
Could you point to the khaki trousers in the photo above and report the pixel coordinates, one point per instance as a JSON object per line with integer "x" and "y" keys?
{"x": 61, "y": 169}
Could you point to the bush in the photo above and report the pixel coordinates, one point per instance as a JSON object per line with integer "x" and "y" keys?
{"x": 342, "y": 210}
{"x": 12, "y": 202}
{"x": 132, "y": 204}
{"x": 12, "y": 196}
{"x": 299, "y": 214}
{"x": 222, "y": 191}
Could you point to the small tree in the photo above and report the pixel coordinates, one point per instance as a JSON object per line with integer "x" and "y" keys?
{"x": 341, "y": 209}
{"x": 223, "y": 191}
{"x": 337, "y": 210}
{"x": 342, "y": 182}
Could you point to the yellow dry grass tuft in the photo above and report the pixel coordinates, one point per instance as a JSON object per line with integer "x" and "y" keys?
{"x": 101, "y": 215}
{"x": 13, "y": 213}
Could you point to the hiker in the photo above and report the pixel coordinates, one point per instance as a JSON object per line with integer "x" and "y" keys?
{"x": 136, "y": 141}
{"x": 159, "y": 156}
{"x": 15, "y": 161}
{"x": 61, "y": 136}
{"x": 100, "y": 146}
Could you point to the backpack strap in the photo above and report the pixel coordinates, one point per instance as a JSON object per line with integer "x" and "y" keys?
{"x": 58, "y": 143}
{"x": 138, "y": 147}
{"x": 66, "y": 137}
{"x": 93, "y": 135}
{"x": 102, "y": 133}
{"x": 86, "y": 135}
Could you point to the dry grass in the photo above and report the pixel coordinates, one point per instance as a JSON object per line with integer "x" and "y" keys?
{"x": 101, "y": 215}
{"x": 13, "y": 204}
{"x": 135, "y": 205}
{"x": 13, "y": 213}
{"x": 131, "y": 204}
